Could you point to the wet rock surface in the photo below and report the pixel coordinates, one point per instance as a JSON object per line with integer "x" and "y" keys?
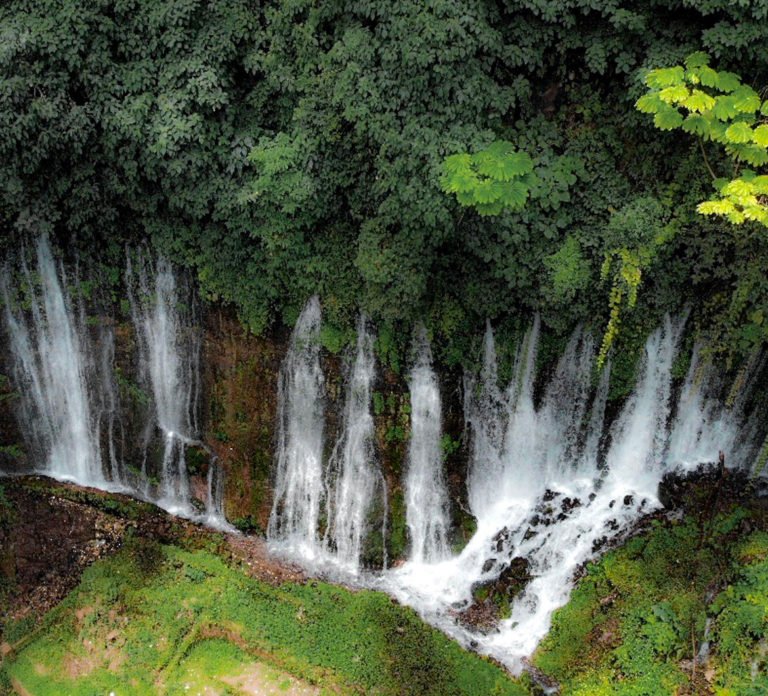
{"x": 493, "y": 599}
{"x": 711, "y": 479}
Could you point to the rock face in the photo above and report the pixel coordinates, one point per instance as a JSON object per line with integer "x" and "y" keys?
{"x": 493, "y": 599}
{"x": 46, "y": 542}
{"x": 705, "y": 485}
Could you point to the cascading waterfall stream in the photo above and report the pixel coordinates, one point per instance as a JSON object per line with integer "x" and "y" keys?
{"x": 346, "y": 491}
{"x": 548, "y": 481}
{"x": 354, "y": 477}
{"x": 484, "y": 412}
{"x": 70, "y": 408}
{"x": 426, "y": 498}
{"x": 541, "y": 489}
{"x": 168, "y": 354}
{"x": 299, "y": 486}
{"x": 51, "y": 355}
{"x": 214, "y": 503}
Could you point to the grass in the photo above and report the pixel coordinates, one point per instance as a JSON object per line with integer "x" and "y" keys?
{"x": 152, "y": 617}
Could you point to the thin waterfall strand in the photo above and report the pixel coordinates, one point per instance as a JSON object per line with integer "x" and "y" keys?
{"x": 426, "y": 498}
{"x": 353, "y": 472}
{"x": 299, "y": 486}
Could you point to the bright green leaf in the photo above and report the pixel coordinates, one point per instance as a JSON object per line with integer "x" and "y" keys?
{"x": 665, "y": 77}
{"x": 515, "y": 194}
{"x": 672, "y": 95}
{"x": 725, "y": 107}
{"x": 746, "y": 99}
{"x": 668, "y": 119}
{"x": 649, "y": 103}
{"x": 696, "y": 124}
{"x": 699, "y": 101}
{"x": 698, "y": 59}
{"x": 459, "y": 162}
{"x": 760, "y": 135}
{"x": 707, "y": 76}
{"x": 739, "y": 133}
{"x": 728, "y": 81}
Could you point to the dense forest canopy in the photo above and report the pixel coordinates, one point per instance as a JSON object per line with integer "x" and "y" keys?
{"x": 285, "y": 149}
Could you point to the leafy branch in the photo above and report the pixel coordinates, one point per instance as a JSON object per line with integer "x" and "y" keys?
{"x": 491, "y": 180}
{"x": 717, "y": 107}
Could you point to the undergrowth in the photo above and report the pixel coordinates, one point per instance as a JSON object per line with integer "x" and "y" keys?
{"x": 636, "y": 622}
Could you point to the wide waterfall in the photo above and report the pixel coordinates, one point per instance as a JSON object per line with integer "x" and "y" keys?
{"x": 299, "y": 486}
{"x": 426, "y": 498}
{"x": 53, "y": 365}
{"x": 548, "y": 483}
{"x": 169, "y": 346}
{"x": 353, "y": 476}
{"x": 64, "y": 366}
{"x": 553, "y": 474}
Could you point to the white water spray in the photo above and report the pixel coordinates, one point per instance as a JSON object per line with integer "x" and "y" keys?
{"x": 544, "y": 492}
{"x": 426, "y": 498}
{"x": 169, "y": 357}
{"x": 299, "y": 486}
{"x": 51, "y": 358}
{"x": 354, "y": 478}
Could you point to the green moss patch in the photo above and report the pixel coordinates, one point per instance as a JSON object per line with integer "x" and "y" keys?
{"x": 636, "y": 621}
{"x": 154, "y": 618}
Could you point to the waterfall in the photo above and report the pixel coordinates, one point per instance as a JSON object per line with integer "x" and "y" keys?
{"x": 52, "y": 363}
{"x": 109, "y": 421}
{"x": 70, "y": 407}
{"x": 169, "y": 345}
{"x": 484, "y": 412}
{"x": 609, "y": 499}
{"x": 353, "y": 476}
{"x": 299, "y": 486}
{"x": 214, "y": 504}
{"x": 426, "y": 498}
{"x": 547, "y": 482}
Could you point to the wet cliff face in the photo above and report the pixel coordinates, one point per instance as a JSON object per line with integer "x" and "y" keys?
{"x": 240, "y": 407}
{"x": 238, "y": 415}
{"x": 241, "y": 374}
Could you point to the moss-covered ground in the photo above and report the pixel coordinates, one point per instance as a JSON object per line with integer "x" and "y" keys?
{"x": 681, "y": 608}
{"x": 159, "y": 619}
{"x": 637, "y": 620}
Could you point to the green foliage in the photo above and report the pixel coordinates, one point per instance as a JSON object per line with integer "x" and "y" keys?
{"x": 13, "y": 451}
{"x": 741, "y": 622}
{"x": 639, "y": 613}
{"x": 490, "y": 180}
{"x": 717, "y": 107}
{"x": 176, "y": 617}
{"x": 280, "y": 151}
{"x": 398, "y": 530}
{"x": 449, "y": 445}
{"x": 643, "y": 227}
{"x": 569, "y": 270}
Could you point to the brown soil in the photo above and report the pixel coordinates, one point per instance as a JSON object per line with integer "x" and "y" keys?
{"x": 260, "y": 680}
{"x": 252, "y": 554}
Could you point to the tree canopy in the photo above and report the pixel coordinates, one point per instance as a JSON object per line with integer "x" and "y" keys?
{"x": 284, "y": 149}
